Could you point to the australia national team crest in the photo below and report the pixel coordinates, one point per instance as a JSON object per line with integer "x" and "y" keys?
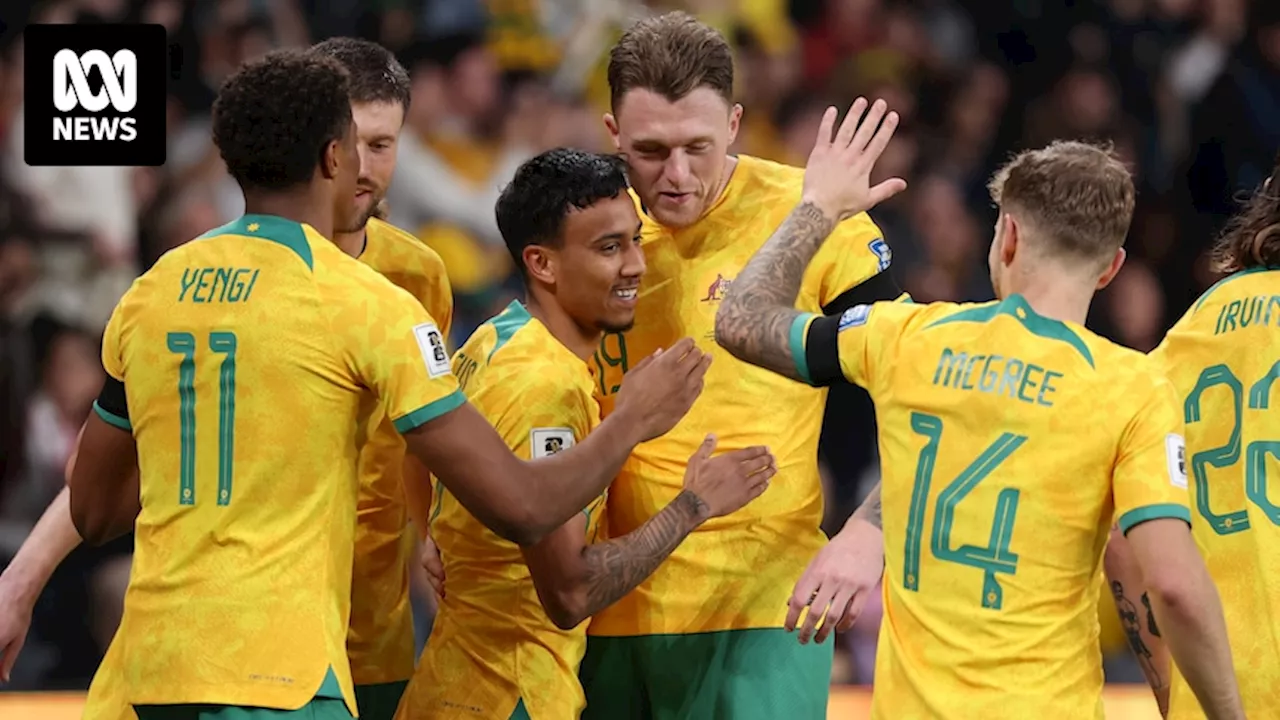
{"x": 717, "y": 288}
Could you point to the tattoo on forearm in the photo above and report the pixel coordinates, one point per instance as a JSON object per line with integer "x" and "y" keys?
{"x": 1151, "y": 616}
{"x": 755, "y": 317}
{"x": 616, "y": 567}
{"x": 1132, "y": 624}
{"x": 869, "y": 510}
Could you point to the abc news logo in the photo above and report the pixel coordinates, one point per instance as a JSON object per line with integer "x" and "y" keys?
{"x": 71, "y": 91}
{"x": 95, "y": 95}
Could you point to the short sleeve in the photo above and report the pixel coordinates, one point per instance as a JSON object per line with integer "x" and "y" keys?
{"x": 113, "y": 343}
{"x": 1149, "y": 480}
{"x": 854, "y": 266}
{"x": 849, "y": 347}
{"x": 398, "y": 350}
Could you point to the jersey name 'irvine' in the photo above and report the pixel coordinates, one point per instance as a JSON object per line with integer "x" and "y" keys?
{"x": 1247, "y": 312}
{"x": 996, "y": 374}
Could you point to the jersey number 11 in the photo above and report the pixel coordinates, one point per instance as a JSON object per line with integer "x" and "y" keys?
{"x": 222, "y": 343}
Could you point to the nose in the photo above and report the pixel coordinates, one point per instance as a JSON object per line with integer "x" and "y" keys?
{"x": 633, "y": 265}
{"x": 676, "y": 169}
{"x": 363, "y": 151}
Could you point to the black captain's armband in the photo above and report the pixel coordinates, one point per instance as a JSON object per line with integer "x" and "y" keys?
{"x": 112, "y": 398}
{"x": 822, "y": 352}
{"x": 880, "y": 286}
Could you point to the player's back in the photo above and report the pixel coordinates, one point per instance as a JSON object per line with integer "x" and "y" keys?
{"x": 1000, "y": 433}
{"x": 243, "y": 404}
{"x": 492, "y": 644}
{"x": 1223, "y": 358}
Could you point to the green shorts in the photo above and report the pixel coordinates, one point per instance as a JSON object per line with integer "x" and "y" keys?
{"x": 379, "y": 702}
{"x": 739, "y": 674}
{"x": 317, "y": 709}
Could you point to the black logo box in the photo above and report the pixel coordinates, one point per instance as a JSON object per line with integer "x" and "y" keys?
{"x": 148, "y": 43}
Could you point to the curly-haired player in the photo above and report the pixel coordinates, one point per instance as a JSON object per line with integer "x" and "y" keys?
{"x": 248, "y": 355}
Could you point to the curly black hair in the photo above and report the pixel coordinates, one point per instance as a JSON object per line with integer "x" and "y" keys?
{"x": 376, "y": 75}
{"x": 275, "y": 116}
{"x": 1252, "y": 238}
{"x": 533, "y": 206}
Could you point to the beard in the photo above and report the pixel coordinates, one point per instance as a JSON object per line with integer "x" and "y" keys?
{"x": 616, "y": 327}
{"x": 378, "y": 209}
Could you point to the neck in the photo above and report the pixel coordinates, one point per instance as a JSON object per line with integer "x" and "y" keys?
{"x": 1060, "y": 297}
{"x": 579, "y": 340}
{"x": 730, "y": 164}
{"x": 301, "y": 206}
{"x": 351, "y": 243}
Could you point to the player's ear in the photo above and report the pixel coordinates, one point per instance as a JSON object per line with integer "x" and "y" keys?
{"x": 1009, "y": 239}
{"x": 735, "y": 121}
{"x": 611, "y": 124}
{"x": 539, "y": 263}
{"x": 1113, "y": 269}
{"x": 329, "y": 161}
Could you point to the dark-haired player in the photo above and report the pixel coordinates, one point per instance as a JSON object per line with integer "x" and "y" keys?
{"x": 1223, "y": 357}
{"x": 509, "y": 635}
{"x": 380, "y": 640}
{"x": 380, "y": 637}
{"x": 238, "y": 368}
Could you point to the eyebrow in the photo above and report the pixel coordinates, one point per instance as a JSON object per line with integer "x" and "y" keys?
{"x": 652, "y": 143}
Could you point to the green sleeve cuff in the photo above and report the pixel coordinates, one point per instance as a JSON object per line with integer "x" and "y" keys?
{"x": 799, "y": 329}
{"x": 1139, "y": 515}
{"x": 429, "y": 412}
{"x": 111, "y": 418}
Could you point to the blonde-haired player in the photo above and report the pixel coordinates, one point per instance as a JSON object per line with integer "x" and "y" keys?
{"x": 1000, "y": 474}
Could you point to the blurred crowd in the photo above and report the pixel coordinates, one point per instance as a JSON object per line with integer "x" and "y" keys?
{"x": 1187, "y": 90}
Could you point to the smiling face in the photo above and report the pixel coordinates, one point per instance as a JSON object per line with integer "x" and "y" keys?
{"x": 597, "y": 266}
{"x": 377, "y": 131}
{"x": 676, "y": 151}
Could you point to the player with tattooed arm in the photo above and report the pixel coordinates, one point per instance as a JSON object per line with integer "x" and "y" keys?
{"x": 509, "y": 636}
{"x": 1000, "y": 478}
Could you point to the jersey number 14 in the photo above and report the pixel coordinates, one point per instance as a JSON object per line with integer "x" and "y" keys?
{"x": 993, "y": 559}
{"x": 224, "y": 344}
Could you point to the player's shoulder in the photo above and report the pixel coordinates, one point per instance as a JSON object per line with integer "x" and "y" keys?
{"x": 402, "y": 251}
{"x": 517, "y": 344}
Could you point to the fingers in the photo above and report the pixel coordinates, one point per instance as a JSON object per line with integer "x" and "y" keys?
{"x": 834, "y": 614}
{"x": 851, "y": 124}
{"x": 883, "y": 134}
{"x": 680, "y": 349}
{"x": 747, "y": 454}
{"x": 853, "y": 611}
{"x": 825, "y": 127}
{"x": 756, "y": 464}
{"x": 886, "y": 190}
{"x": 806, "y": 587}
{"x": 9, "y": 656}
{"x": 867, "y": 128}
{"x": 817, "y": 609}
{"x": 708, "y": 446}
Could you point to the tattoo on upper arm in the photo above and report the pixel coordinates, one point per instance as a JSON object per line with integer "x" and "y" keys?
{"x": 616, "y": 567}
{"x": 755, "y": 317}
{"x": 870, "y": 509}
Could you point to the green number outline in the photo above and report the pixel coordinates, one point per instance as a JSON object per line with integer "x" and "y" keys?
{"x": 184, "y": 344}
{"x": 996, "y": 557}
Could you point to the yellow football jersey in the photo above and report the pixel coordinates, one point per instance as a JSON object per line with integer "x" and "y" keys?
{"x": 380, "y": 640}
{"x": 245, "y": 356}
{"x": 1223, "y": 358}
{"x": 1008, "y": 443}
{"x": 492, "y": 644}
{"x": 737, "y": 571}
{"x": 108, "y": 698}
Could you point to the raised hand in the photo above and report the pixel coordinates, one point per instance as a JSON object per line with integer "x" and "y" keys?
{"x": 727, "y": 482}
{"x": 659, "y": 391}
{"x": 837, "y": 178}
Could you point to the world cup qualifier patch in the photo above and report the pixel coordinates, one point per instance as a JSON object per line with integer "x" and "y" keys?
{"x": 94, "y": 95}
{"x": 855, "y": 316}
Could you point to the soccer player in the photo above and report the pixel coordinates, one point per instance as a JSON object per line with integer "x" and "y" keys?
{"x": 263, "y": 331}
{"x": 508, "y": 638}
{"x": 1223, "y": 358}
{"x": 1009, "y": 437}
{"x": 703, "y": 635}
{"x": 380, "y": 638}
